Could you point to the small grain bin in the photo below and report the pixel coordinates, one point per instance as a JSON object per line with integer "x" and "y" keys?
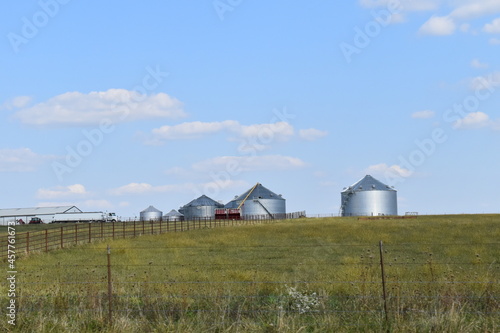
{"x": 259, "y": 202}
{"x": 202, "y": 208}
{"x": 368, "y": 197}
{"x": 151, "y": 214}
{"x": 173, "y": 216}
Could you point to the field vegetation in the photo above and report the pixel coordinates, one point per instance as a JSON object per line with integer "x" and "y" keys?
{"x": 306, "y": 275}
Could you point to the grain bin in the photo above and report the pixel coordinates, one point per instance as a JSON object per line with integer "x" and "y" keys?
{"x": 151, "y": 214}
{"x": 202, "y": 208}
{"x": 368, "y": 197}
{"x": 173, "y": 216}
{"x": 259, "y": 202}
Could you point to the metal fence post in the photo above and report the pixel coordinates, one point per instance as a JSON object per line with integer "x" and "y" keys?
{"x": 110, "y": 289}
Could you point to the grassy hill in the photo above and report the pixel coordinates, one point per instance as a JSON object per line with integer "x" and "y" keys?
{"x": 308, "y": 275}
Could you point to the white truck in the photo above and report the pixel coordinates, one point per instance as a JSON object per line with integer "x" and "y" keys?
{"x": 84, "y": 217}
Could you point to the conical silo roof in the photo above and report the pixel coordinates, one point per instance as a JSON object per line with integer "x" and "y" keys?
{"x": 256, "y": 192}
{"x": 368, "y": 183}
{"x": 151, "y": 209}
{"x": 259, "y": 192}
{"x": 173, "y": 213}
{"x": 203, "y": 201}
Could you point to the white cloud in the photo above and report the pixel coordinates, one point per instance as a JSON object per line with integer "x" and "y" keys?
{"x": 425, "y": 114}
{"x": 475, "y": 63}
{"x": 494, "y": 41}
{"x": 87, "y": 205}
{"x": 470, "y": 9}
{"x": 473, "y": 120}
{"x": 249, "y": 163}
{"x": 312, "y": 134}
{"x": 114, "y": 105}
{"x": 493, "y": 27}
{"x": 192, "y": 130}
{"x": 438, "y": 26}
{"x": 16, "y": 103}
{"x": 21, "y": 160}
{"x": 405, "y": 5}
{"x": 490, "y": 82}
{"x": 76, "y": 190}
{"x": 384, "y": 170}
{"x": 465, "y": 27}
{"x": 93, "y": 205}
{"x": 145, "y": 188}
{"x": 260, "y": 135}
{"x": 458, "y": 13}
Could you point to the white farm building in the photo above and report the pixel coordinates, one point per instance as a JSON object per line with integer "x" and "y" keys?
{"x": 26, "y": 214}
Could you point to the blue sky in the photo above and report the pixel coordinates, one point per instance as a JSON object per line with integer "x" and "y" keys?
{"x": 121, "y": 105}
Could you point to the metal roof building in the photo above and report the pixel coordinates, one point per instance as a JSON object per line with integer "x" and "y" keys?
{"x": 368, "y": 197}
{"x": 259, "y": 202}
{"x": 172, "y": 216}
{"x": 25, "y": 214}
{"x": 201, "y": 208}
{"x": 151, "y": 214}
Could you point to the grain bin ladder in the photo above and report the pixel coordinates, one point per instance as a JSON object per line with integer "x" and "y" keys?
{"x": 250, "y": 192}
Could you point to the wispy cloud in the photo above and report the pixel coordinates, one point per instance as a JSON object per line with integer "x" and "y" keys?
{"x": 476, "y": 120}
{"x": 312, "y": 134}
{"x": 16, "y": 103}
{"x": 250, "y": 163}
{"x": 493, "y": 27}
{"x": 21, "y": 160}
{"x": 438, "y": 26}
{"x": 384, "y": 170}
{"x": 425, "y": 114}
{"x": 114, "y": 105}
{"x": 447, "y": 16}
{"x": 58, "y": 192}
{"x": 263, "y": 133}
{"x": 475, "y": 63}
{"x": 146, "y": 188}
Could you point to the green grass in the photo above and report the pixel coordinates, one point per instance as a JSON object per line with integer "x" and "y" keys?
{"x": 442, "y": 271}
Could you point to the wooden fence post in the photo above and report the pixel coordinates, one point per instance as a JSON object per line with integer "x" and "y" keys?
{"x": 90, "y": 232}
{"x": 383, "y": 280}
{"x": 62, "y": 238}
{"x": 134, "y": 228}
{"x": 123, "y": 224}
{"x": 76, "y": 234}
{"x": 46, "y": 240}
{"x": 113, "y": 229}
{"x": 28, "y": 242}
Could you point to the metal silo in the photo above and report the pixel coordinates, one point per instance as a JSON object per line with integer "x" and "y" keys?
{"x": 173, "y": 216}
{"x": 201, "y": 208}
{"x": 259, "y": 202}
{"x": 151, "y": 214}
{"x": 368, "y": 197}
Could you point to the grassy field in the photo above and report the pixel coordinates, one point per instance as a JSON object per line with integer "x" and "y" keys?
{"x": 306, "y": 275}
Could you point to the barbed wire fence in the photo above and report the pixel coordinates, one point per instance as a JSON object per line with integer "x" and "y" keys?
{"x": 164, "y": 285}
{"x": 58, "y": 236}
